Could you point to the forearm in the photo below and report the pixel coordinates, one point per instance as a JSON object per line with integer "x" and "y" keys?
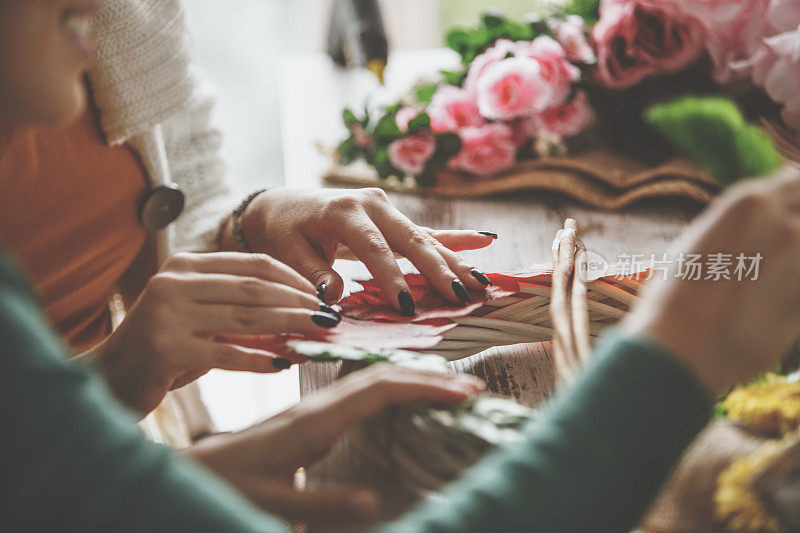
{"x": 73, "y": 460}
{"x": 125, "y": 379}
{"x": 593, "y": 462}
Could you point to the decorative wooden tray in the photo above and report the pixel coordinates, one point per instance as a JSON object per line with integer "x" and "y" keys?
{"x": 599, "y": 178}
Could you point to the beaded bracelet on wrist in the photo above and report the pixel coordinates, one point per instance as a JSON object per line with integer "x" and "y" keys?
{"x": 236, "y": 222}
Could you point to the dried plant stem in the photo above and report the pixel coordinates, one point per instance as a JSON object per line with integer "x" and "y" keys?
{"x": 503, "y": 302}
{"x": 504, "y": 325}
{"x": 605, "y": 309}
{"x": 487, "y": 336}
{"x": 607, "y": 289}
{"x": 523, "y": 311}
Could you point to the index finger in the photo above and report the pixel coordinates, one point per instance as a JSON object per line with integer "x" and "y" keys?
{"x": 460, "y": 240}
{"x": 253, "y": 265}
{"x": 369, "y": 245}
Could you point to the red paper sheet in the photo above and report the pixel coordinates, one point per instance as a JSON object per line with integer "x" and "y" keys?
{"x": 368, "y": 321}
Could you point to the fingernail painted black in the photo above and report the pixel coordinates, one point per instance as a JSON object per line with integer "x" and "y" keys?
{"x": 480, "y": 276}
{"x": 460, "y": 290}
{"x": 281, "y": 364}
{"x": 325, "y": 308}
{"x": 321, "y": 290}
{"x": 406, "y": 303}
{"x": 325, "y": 320}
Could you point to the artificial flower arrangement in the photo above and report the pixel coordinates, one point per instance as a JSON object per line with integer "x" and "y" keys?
{"x": 622, "y": 76}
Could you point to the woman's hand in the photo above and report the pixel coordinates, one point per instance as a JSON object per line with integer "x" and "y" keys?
{"x": 309, "y": 229}
{"x": 729, "y": 330}
{"x": 166, "y": 339}
{"x": 261, "y": 461}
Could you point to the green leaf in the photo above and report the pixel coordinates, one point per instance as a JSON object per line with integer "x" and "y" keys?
{"x": 494, "y": 420}
{"x": 426, "y": 92}
{"x": 713, "y": 132}
{"x": 380, "y": 160}
{"x": 420, "y": 122}
{"x": 349, "y": 118}
{"x": 348, "y": 150}
{"x": 493, "y": 18}
{"x": 757, "y": 153}
{"x": 588, "y": 9}
{"x": 459, "y": 40}
{"x": 517, "y": 32}
{"x": 453, "y": 77}
{"x": 478, "y": 40}
{"x": 386, "y": 128}
{"x": 322, "y": 351}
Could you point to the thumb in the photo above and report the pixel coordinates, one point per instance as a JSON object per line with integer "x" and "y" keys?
{"x": 311, "y": 265}
{"x": 333, "y": 507}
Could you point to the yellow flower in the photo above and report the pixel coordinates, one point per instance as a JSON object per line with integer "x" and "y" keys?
{"x": 736, "y": 504}
{"x": 770, "y": 406}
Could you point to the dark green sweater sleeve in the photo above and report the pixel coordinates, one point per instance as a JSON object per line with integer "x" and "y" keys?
{"x": 71, "y": 459}
{"x": 592, "y": 462}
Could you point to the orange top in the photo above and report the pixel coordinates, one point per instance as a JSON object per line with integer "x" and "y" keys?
{"x": 68, "y": 212}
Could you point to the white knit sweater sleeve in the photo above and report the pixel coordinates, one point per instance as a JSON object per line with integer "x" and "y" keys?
{"x": 193, "y": 143}
{"x": 150, "y": 95}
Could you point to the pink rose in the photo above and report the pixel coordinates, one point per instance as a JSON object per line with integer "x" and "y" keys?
{"x": 513, "y": 88}
{"x": 567, "y": 119}
{"x": 571, "y": 35}
{"x": 410, "y": 154}
{"x": 776, "y": 67}
{"x": 784, "y": 15}
{"x": 487, "y": 149}
{"x": 637, "y": 38}
{"x": 452, "y": 109}
{"x": 361, "y": 137}
{"x": 735, "y": 30}
{"x": 554, "y": 68}
{"x": 404, "y": 116}
{"x": 502, "y": 49}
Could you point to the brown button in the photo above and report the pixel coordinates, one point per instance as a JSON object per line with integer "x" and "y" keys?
{"x": 161, "y": 206}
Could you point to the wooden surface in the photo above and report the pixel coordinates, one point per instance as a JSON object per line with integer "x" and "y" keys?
{"x": 314, "y": 93}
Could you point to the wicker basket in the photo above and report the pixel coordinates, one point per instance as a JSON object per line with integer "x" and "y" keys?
{"x": 565, "y": 314}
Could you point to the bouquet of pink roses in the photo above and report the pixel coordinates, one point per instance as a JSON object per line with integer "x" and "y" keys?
{"x": 590, "y": 74}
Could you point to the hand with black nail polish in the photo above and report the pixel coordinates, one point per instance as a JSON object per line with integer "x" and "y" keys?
{"x": 460, "y": 290}
{"x": 168, "y": 335}
{"x": 309, "y": 230}
{"x": 406, "y": 303}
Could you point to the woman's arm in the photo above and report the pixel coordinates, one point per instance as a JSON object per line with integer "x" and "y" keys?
{"x": 72, "y": 460}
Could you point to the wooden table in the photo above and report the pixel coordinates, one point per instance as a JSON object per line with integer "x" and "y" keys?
{"x": 314, "y": 93}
